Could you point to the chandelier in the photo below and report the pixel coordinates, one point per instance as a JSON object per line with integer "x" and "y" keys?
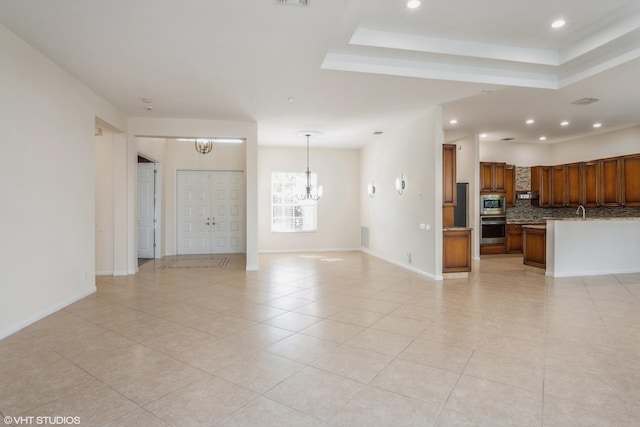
{"x": 204, "y": 145}
{"x": 308, "y": 190}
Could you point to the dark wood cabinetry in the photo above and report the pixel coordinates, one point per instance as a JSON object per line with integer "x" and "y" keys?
{"x": 510, "y": 185}
{"x": 456, "y": 256}
{"x": 610, "y": 180}
{"x": 492, "y": 177}
{"x": 603, "y": 182}
{"x": 631, "y": 180}
{"x": 558, "y": 183}
{"x": 574, "y": 188}
{"x": 448, "y": 175}
{"x": 534, "y": 244}
{"x": 541, "y": 184}
{"x": 514, "y": 239}
{"x": 590, "y": 185}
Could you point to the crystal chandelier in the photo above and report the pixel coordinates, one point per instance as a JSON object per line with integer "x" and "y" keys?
{"x": 308, "y": 193}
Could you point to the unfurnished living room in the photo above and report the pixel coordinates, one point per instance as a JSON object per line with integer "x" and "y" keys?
{"x": 320, "y": 213}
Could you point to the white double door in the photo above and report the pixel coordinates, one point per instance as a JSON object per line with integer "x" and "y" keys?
{"x": 210, "y": 216}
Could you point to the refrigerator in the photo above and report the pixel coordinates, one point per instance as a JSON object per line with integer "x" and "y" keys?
{"x": 460, "y": 213}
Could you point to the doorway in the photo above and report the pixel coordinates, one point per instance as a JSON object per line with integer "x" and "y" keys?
{"x": 210, "y": 217}
{"x": 147, "y": 210}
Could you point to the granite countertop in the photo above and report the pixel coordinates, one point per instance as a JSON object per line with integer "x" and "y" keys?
{"x": 457, "y": 229}
{"x": 525, "y": 221}
{"x": 578, "y": 218}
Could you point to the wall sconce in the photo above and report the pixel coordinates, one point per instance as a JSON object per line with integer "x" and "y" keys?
{"x": 400, "y": 183}
{"x": 371, "y": 189}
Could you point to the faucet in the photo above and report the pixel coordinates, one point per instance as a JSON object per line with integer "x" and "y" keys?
{"x": 584, "y": 212}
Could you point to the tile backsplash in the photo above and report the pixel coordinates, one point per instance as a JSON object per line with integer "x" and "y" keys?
{"x": 524, "y": 211}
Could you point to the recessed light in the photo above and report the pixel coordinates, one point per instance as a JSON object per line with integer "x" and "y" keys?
{"x": 558, "y": 23}
{"x": 597, "y": 125}
{"x": 146, "y": 100}
{"x": 483, "y": 135}
{"x": 543, "y": 138}
{"x": 530, "y": 121}
{"x": 412, "y": 4}
{"x": 564, "y": 123}
{"x": 453, "y": 121}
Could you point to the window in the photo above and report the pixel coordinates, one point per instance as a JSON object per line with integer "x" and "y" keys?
{"x": 288, "y": 213}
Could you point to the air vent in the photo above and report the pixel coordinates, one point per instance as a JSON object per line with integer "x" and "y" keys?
{"x": 507, "y": 139}
{"x": 293, "y": 2}
{"x": 378, "y": 132}
{"x": 585, "y": 101}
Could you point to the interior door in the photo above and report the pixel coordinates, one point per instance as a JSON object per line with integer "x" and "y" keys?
{"x": 210, "y": 212}
{"x": 146, "y": 210}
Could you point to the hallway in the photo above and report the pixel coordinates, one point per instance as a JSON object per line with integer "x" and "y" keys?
{"x": 335, "y": 339}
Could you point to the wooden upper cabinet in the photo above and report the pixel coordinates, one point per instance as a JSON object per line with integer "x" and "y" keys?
{"x": 492, "y": 177}
{"x": 631, "y": 180}
{"x": 574, "y": 187}
{"x": 558, "y": 186}
{"x": 610, "y": 182}
{"x": 449, "y": 193}
{"x": 510, "y": 185}
{"x": 590, "y": 183}
{"x": 540, "y": 183}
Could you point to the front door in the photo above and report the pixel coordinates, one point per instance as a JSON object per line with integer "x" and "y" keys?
{"x": 210, "y": 216}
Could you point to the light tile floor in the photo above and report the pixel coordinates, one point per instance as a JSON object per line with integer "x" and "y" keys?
{"x": 340, "y": 339}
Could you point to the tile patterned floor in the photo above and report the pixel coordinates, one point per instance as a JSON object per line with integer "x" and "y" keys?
{"x": 338, "y": 340}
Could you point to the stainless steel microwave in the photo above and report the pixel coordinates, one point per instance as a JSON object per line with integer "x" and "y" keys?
{"x": 492, "y": 204}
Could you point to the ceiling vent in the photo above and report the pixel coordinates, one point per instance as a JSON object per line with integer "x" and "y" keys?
{"x": 293, "y": 2}
{"x": 585, "y": 101}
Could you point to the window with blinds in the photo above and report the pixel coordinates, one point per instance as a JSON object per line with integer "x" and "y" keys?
{"x": 288, "y": 213}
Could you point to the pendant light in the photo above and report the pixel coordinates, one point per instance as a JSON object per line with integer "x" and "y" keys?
{"x": 204, "y": 145}
{"x": 308, "y": 193}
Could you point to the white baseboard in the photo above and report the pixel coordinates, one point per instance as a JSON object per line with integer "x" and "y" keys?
{"x": 405, "y": 266}
{"x": 24, "y": 323}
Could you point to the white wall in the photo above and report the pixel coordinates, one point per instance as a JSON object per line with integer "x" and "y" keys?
{"x": 514, "y": 153}
{"x": 338, "y": 210}
{"x": 415, "y": 149}
{"x": 467, "y": 170}
{"x": 47, "y": 162}
{"x": 177, "y": 128}
{"x": 610, "y": 144}
{"x": 104, "y": 224}
{"x": 173, "y": 155}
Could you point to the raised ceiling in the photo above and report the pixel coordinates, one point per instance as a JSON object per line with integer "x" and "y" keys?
{"x": 350, "y": 68}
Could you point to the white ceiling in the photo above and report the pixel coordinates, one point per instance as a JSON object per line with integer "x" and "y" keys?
{"x": 351, "y": 67}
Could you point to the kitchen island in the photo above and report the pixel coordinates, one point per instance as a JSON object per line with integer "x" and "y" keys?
{"x": 592, "y": 246}
{"x": 534, "y": 245}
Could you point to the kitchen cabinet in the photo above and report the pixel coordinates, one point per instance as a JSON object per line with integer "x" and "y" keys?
{"x": 456, "y": 256}
{"x": 558, "y": 184}
{"x": 510, "y": 185}
{"x": 534, "y": 244}
{"x": 514, "y": 239}
{"x": 541, "y": 184}
{"x": 492, "y": 177}
{"x": 448, "y": 175}
{"x": 574, "y": 185}
{"x": 590, "y": 185}
{"x": 631, "y": 180}
{"x": 610, "y": 182}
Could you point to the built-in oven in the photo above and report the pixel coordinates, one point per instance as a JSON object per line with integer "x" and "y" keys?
{"x": 492, "y": 204}
{"x": 493, "y": 229}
